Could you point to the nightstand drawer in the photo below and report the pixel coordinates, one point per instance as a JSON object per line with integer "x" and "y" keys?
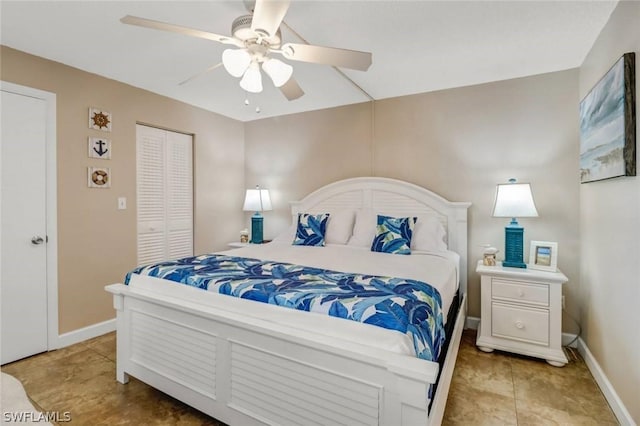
{"x": 519, "y": 292}
{"x": 518, "y": 323}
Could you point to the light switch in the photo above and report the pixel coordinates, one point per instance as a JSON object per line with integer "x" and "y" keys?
{"x": 122, "y": 203}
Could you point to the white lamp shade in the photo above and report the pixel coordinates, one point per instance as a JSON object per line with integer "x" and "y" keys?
{"x": 279, "y": 72}
{"x": 252, "y": 80}
{"x": 257, "y": 200}
{"x": 514, "y": 200}
{"x": 236, "y": 61}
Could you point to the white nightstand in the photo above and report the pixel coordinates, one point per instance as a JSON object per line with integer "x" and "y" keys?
{"x": 521, "y": 312}
{"x": 237, "y": 244}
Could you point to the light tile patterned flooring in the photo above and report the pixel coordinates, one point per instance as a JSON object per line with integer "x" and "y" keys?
{"x": 487, "y": 389}
{"x": 504, "y": 389}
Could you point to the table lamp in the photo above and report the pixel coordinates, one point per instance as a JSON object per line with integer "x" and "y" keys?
{"x": 257, "y": 200}
{"x": 514, "y": 200}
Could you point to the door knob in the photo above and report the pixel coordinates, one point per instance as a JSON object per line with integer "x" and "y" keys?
{"x": 37, "y": 240}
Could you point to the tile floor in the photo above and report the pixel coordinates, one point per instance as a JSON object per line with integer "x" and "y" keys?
{"x": 504, "y": 389}
{"x": 487, "y": 389}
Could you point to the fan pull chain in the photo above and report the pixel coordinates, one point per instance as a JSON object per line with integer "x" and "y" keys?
{"x": 247, "y": 103}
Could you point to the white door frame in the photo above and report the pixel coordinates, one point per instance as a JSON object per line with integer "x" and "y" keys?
{"x": 53, "y": 340}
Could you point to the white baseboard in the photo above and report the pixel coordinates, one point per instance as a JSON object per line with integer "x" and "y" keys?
{"x": 616, "y": 404}
{"x": 472, "y": 323}
{"x": 86, "y": 333}
{"x": 569, "y": 339}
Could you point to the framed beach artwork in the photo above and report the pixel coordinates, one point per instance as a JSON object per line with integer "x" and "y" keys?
{"x": 543, "y": 255}
{"x": 608, "y": 124}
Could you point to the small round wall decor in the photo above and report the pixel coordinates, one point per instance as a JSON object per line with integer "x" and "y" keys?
{"x": 99, "y": 177}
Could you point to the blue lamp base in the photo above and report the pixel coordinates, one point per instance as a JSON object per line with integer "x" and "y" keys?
{"x": 513, "y": 245}
{"x": 256, "y": 228}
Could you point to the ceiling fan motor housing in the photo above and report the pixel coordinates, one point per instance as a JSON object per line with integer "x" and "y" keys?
{"x": 241, "y": 29}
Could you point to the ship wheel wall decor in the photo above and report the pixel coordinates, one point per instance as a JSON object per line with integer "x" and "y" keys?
{"x": 99, "y": 119}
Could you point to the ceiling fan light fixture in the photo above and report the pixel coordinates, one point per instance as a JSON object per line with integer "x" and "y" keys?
{"x": 252, "y": 80}
{"x": 279, "y": 71}
{"x": 236, "y": 61}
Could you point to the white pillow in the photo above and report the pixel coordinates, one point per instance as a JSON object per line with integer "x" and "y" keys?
{"x": 286, "y": 236}
{"x": 428, "y": 235}
{"x": 365, "y": 228}
{"x": 339, "y": 229}
{"x": 340, "y": 226}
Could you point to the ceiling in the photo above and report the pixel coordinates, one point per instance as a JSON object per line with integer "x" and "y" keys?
{"x": 417, "y": 46}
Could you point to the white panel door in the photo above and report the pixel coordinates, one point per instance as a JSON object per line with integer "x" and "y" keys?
{"x": 23, "y": 260}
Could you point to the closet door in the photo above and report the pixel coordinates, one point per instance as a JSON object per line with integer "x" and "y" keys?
{"x": 164, "y": 194}
{"x": 179, "y": 195}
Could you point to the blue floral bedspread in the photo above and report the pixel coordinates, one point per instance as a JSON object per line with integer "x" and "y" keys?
{"x": 408, "y": 306}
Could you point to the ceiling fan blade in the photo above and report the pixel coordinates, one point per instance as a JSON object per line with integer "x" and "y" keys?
{"x": 163, "y": 26}
{"x": 200, "y": 74}
{"x": 327, "y": 55}
{"x": 267, "y": 16}
{"x": 291, "y": 90}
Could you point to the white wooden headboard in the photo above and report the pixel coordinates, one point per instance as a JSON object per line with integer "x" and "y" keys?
{"x": 394, "y": 198}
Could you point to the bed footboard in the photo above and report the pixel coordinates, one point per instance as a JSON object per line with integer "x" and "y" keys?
{"x": 249, "y": 371}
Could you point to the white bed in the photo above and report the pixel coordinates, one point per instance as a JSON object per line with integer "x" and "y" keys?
{"x": 269, "y": 365}
{"x": 438, "y": 268}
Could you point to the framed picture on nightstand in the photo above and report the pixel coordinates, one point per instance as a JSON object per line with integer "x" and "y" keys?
{"x": 543, "y": 255}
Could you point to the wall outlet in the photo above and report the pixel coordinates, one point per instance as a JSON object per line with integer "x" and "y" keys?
{"x": 563, "y": 305}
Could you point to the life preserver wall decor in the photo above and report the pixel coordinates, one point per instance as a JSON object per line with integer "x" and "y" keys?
{"x": 99, "y": 177}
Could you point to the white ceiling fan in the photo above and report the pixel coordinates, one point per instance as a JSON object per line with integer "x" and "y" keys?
{"x": 257, "y": 37}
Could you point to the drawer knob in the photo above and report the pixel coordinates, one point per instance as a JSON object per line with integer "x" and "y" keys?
{"x": 519, "y": 325}
{"x": 521, "y": 292}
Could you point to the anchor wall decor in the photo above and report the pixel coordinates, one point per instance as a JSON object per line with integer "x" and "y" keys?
{"x": 100, "y": 148}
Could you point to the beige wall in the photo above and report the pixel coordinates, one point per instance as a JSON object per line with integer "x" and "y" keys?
{"x": 458, "y": 143}
{"x": 97, "y": 242}
{"x": 610, "y": 231}
{"x": 294, "y": 154}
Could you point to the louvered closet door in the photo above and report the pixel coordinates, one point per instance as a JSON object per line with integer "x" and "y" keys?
{"x": 179, "y": 195}
{"x": 165, "y": 195}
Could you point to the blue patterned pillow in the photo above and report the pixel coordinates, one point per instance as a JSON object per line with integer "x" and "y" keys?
{"x": 311, "y": 229}
{"x": 393, "y": 235}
